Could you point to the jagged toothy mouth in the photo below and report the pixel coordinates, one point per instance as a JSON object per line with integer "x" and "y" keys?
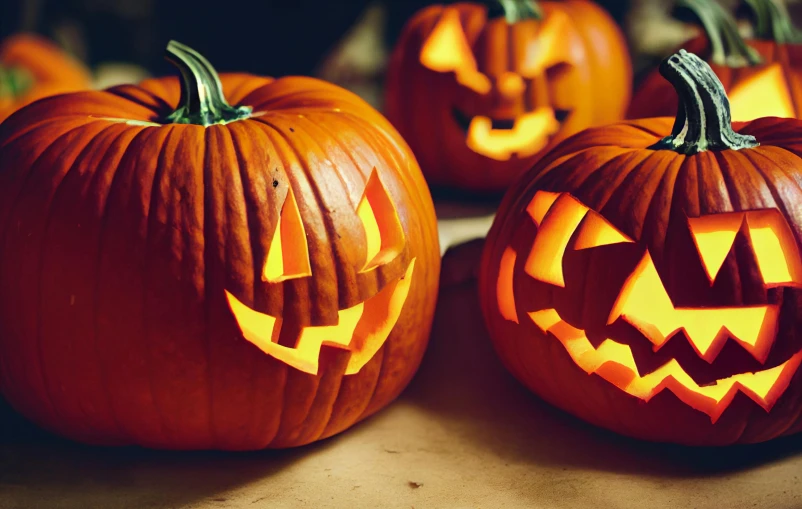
{"x": 361, "y": 329}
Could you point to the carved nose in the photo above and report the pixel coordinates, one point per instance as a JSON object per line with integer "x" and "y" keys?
{"x": 511, "y": 86}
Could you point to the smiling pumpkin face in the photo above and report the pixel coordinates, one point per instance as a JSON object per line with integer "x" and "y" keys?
{"x": 480, "y": 90}
{"x": 361, "y": 329}
{"x": 644, "y": 303}
{"x": 254, "y": 266}
{"x": 652, "y": 285}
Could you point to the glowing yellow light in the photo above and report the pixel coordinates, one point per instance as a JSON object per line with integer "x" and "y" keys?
{"x": 775, "y": 248}
{"x": 714, "y": 236}
{"x": 383, "y": 230}
{"x": 545, "y": 259}
{"x": 596, "y": 231}
{"x": 511, "y": 84}
{"x": 529, "y": 135}
{"x": 540, "y": 205}
{"x": 504, "y": 287}
{"x": 772, "y": 241}
{"x": 548, "y": 47}
{"x": 361, "y": 329}
{"x": 447, "y": 50}
{"x": 644, "y": 303}
{"x": 615, "y": 363}
{"x": 764, "y": 94}
{"x": 288, "y": 255}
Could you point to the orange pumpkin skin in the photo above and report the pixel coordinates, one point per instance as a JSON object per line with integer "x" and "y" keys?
{"x": 582, "y": 74}
{"x": 647, "y": 195}
{"x": 134, "y": 233}
{"x": 654, "y": 98}
{"x": 770, "y": 86}
{"x": 50, "y": 70}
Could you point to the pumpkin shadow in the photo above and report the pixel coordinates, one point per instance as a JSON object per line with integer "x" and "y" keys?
{"x": 463, "y": 383}
{"x": 37, "y": 467}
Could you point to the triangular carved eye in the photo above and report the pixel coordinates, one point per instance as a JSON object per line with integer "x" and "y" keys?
{"x": 288, "y": 256}
{"x": 448, "y": 50}
{"x": 383, "y": 230}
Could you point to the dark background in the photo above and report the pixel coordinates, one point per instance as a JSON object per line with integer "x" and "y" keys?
{"x": 281, "y": 37}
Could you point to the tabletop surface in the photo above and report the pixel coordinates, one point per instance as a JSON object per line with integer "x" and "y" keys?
{"x": 463, "y": 435}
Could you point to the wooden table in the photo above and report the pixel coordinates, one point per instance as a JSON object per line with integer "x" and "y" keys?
{"x": 464, "y": 434}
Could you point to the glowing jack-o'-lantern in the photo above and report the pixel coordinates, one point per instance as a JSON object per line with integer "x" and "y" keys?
{"x": 761, "y": 76}
{"x": 361, "y": 329}
{"x": 480, "y": 90}
{"x": 652, "y": 286}
{"x": 229, "y": 262}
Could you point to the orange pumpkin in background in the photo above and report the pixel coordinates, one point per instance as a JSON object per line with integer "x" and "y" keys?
{"x": 182, "y": 273}
{"x": 648, "y": 279}
{"x": 478, "y": 90}
{"x": 32, "y": 67}
{"x": 762, "y": 76}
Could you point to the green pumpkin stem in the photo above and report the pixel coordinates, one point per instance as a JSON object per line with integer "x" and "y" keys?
{"x": 773, "y": 23}
{"x": 514, "y": 10}
{"x": 703, "y": 118}
{"x": 202, "y": 100}
{"x": 14, "y": 81}
{"x": 726, "y": 44}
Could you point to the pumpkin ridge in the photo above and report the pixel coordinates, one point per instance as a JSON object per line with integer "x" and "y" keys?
{"x": 6, "y": 212}
{"x": 64, "y": 169}
{"x": 106, "y": 140}
{"x": 626, "y": 160}
{"x": 331, "y": 427}
{"x": 221, "y": 145}
{"x": 779, "y": 202}
{"x": 338, "y": 256}
{"x": 238, "y": 150}
{"x": 101, "y": 228}
{"x": 151, "y": 216}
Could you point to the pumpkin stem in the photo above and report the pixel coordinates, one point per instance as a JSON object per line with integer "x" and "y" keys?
{"x": 703, "y": 118}
{"x": 726, "y": 44}
{"x": 14, "y": 81}
{"x": 514, "y": 10}
{"x": 773, "y": 23}
{"x": 202, "y": 100}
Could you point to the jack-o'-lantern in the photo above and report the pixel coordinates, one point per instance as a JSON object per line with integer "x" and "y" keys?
{"x": 256, "y": 267}
{"x": 479, "y": 90}
{"x": 652, "y": 285}
{"x": 761, "y": 76}
{"x": 32, "y": 67}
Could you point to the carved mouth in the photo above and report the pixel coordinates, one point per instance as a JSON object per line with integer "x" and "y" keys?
{"x": 361, "y": 329}
{"x": 502, "y": 124}
{"x": 615, "y": 363}
{"x": 499, "y": 139}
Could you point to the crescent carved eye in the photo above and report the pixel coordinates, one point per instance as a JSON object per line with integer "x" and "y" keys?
{"x": 383, "y": 230}
{"x": 288, "y": 256}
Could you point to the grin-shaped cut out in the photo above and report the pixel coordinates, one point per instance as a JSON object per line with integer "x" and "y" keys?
{"x": 564, "y": 223}
{"x": 361, "y": 329}
{"x": 521, "y": 121}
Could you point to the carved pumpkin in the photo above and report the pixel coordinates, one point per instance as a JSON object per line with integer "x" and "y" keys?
{"x": 32, "y": 67}
{"x": 761, "y": 76}
{"x": 479, "y": 91}
{"x": 229, "y": 277}
{"x": 651, "y": 285}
